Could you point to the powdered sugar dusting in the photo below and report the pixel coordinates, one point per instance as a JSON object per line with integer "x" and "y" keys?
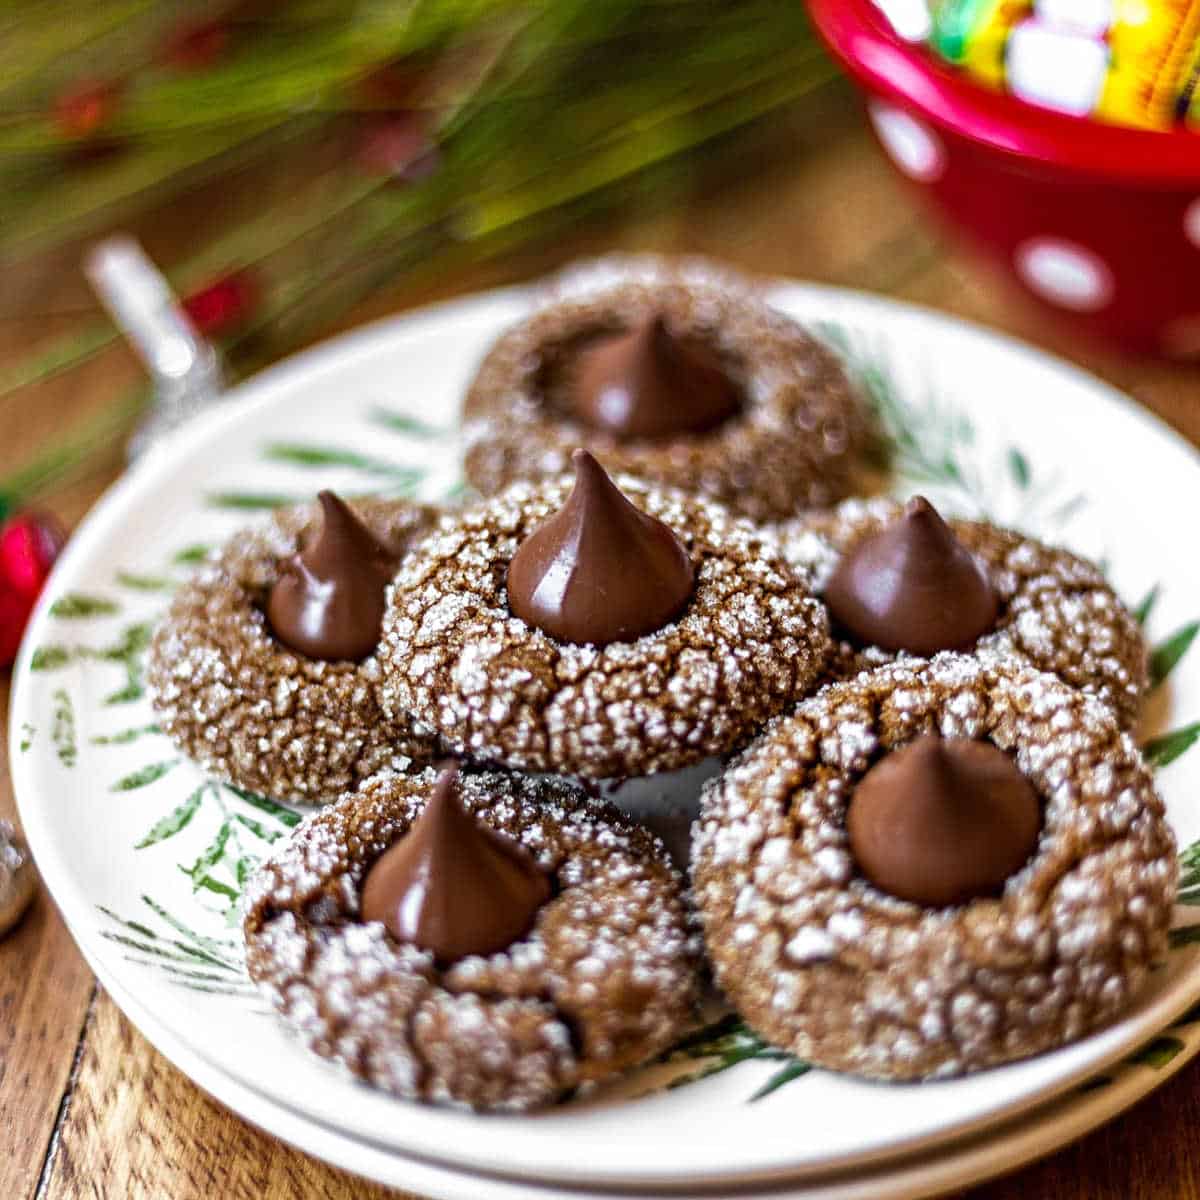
{"x": 606, "y": 977}
{"x": 1058, "y": 612}
{"x": 796, "y": 443}
{"x": 252, "y": 712}
{"x": 827, "y": 966}
{"x": 751, "y": 642}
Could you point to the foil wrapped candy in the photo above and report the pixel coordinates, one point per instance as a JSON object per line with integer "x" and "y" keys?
{"x": 18, "y": 881}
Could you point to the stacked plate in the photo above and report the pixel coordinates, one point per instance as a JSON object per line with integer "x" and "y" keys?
{"x": 146, "y": 857}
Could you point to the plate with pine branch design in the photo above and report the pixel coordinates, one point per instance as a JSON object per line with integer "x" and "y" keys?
{"x": 147, "y": 857}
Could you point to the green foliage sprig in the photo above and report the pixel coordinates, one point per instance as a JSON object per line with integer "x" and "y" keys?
{"x": 421, "y": 135}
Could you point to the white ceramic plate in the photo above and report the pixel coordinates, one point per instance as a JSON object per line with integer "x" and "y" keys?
{"x": 145, "y": 857}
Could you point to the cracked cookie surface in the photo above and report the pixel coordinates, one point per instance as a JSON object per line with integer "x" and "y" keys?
{"x": 256, "y": 714}
{"x": 797, "y": 441}
{"x": 836, "y": 971}
{"x": 1058, "y": 613}
{"x": 749, "y": 644}
{"x": 606, "y": 978}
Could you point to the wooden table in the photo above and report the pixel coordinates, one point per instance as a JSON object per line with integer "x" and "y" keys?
{"x": 87, "y": 1107}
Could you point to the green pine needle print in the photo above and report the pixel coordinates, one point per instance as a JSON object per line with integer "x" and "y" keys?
{"x": 401, "y": 477}
{"x": 1146, "y": 607}
{"x": 50, "y": 658}
{"x": 192, "y": 556}
{"x": 273, "y": 808}
{"x": 931, "y": 444}
{"x": 144, "y": 776}
{"x": 62, "y": 729}
{"x": 74, "y": 606}
{"x": 1189, "y": 875}
{"x": 190, "y": 959}
{"x": 413, "y": 426}
{"x": 144, "y": 583}
{"x": 210, "y": 856}
{"x": 1157, "y": 1053}
{"x": 226, "y": 951}
{"x": 175, "y": 821}
{"x": 1188, "y": 935}
{"x": 129, "y": 694}
{"x": 723, "y": 1044}
{"x": 236, "y": 842}
{"x": 785, "y": 1074}
{"x": 207, "y": 883}
{"x": 1162, "y": 751}
{"x": 924, "y": 444}
{"x": 124, "y": 737}
{"x": 1018, "y": 466}
{"x": 1167, "y": 655}
{"x": 127, "y": 651}
{"x": 253, "y": 501}
{"x": 257, "y": 828}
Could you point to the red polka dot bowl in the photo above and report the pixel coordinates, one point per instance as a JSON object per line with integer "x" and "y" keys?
{"x": 1098, "y": 223}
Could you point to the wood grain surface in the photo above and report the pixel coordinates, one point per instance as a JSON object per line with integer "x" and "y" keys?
{"x": 87, "y": 1107}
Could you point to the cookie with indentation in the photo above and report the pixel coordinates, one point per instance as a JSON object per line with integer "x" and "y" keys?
{"x": 749, "y": 641}
{"x": 825, "y": 962}
{"x": 605, "y": 978}
{"x": 1052, "y": 609}
{"x": 675, "y": 370}
{"x": 262, "y": 716}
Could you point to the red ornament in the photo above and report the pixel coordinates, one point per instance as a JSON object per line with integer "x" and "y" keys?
{"x": 29, "y": 544}
{"x": 224, "y": 304}
{"x": 193, "y": 47}
{"x": 397, "y": 146}
{"x": 85, "y": 109}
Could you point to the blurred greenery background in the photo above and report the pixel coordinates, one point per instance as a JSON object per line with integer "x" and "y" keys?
{"x": 319, "y": 152}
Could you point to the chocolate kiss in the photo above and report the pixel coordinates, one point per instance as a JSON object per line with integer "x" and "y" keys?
{"x": 328, "y": 600}
{"x": 913, "y": 586}
{"x": 599, "y": 570}
{"x": 647, "y": 383}
{"x": 452, "y": 885}
{"x": 942, "y": 822}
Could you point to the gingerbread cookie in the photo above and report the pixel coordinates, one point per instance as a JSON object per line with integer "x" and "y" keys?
{"x": 934, "y": 868}
{"x": 672, "y": 370}
{"x": 263, "y": 669}
{"x": 899, "y": 580}
{"x": 491, "y": 941}
{"x": 586, "y": 629}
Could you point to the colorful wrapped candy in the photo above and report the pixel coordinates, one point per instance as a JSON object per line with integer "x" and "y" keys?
{"x": 1130, "y": 62}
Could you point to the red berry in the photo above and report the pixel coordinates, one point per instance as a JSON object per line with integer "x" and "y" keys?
{"x": 29, "y": 544}
{"x": 83, "y": 110}
{"x": 223, "y": 304}
{"x": 196, "y": 46}
{"x": 397, "y": 146}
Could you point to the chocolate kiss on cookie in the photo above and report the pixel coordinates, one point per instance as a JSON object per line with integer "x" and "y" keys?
{"x": 329, "y": 599}
{"x": 453, "y": 886}
{"x": 913, "y": 586}
{"x": 943, "y": 822}
{"x": 647, "y": 383}
{"x": 599, "y": 570}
